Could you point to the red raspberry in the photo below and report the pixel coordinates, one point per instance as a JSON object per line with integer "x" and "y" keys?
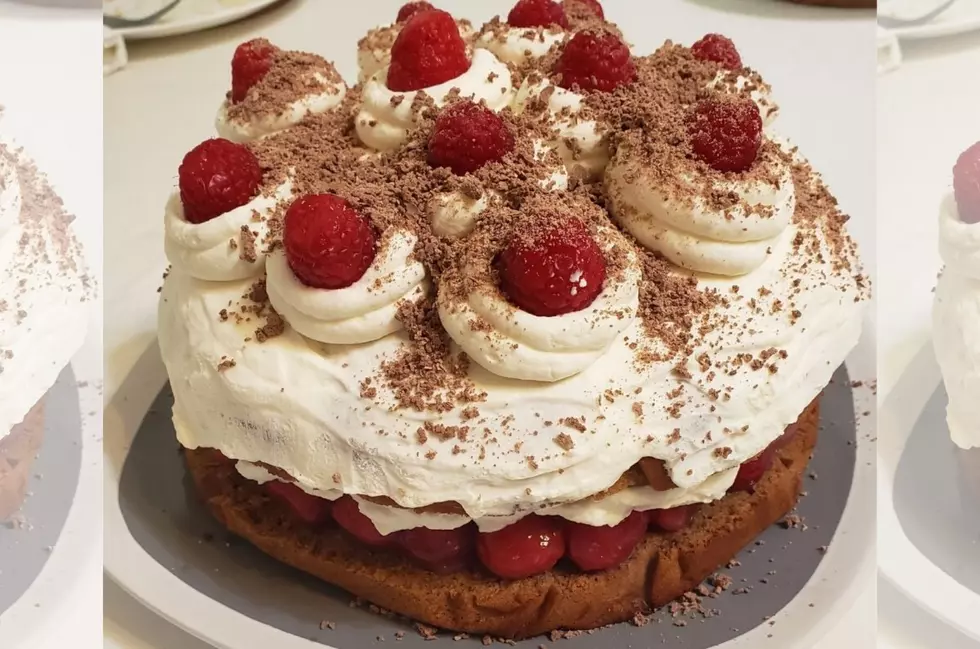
{"x": 441, "y": 551}
{"x": 726, "y": 134}
{"x": 673, "y": 519}
{"x": 427, "y": 52}
{"x": 530, "y": 546}
{"x": 467, "y": 136}
{"x": 328, "y": 244}
{"x": 717, "y": 48}
{"x": 537, "y": 13}
{"x": 309, "y": 508}
{"x": 595, "y": 60}
{"x": 410, "y": 9}
{"x": 348, "y": 515}
{"x": 215, "y": 177}
{"x": 249, "y": 64}
{"x": 573, "y": 7}
{"x": 556, "y": 272}
{"x": 752, "y": 471}
{"x": 602, "y": 548}
{"x": 966, "y": 184}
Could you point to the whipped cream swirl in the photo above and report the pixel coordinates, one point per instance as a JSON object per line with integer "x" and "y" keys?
{"x": 251, "y": 127}
{"x": 692, "y": 233}
{"x": 518, "y": 45}
{"x": 521, "y": 345}
{"x": 956, "y": 323}
{"x": 386, "y": 116}
{"x": 364, "y": 311}
{"x": 751, "y": 85}
{"x": 214, "y": 250}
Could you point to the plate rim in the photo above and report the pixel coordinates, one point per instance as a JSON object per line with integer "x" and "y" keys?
{"x": 938, "y": 29}
{"x": 198, "y": 23}
{"x": 899, "y": 560}
{"x": 845, "y": 572}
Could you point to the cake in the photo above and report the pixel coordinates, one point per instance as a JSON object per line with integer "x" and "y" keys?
{"x": 956, "y": 327}
{"x": 43, "y": 289}
{"x": 507, "y": 347}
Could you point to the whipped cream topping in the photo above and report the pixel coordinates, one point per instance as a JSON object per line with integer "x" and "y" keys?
{"x": 386, "y": 116}
{"x": 752, "y": 85}
{"x": 374, "y": 49}
{"x": 582, "y": 142}
{"x": 688, "y": 231}
{"x": 42, "y": 289}
{"x": 521, "y": 345}
{"x": 251, "y": 127}
{"x": 518, "y": 45}
{"x": 609, "y": 511}
{"x": 364, "y": 311}
{"x": 956, "y": 323}
{"x": 220, "y": 249}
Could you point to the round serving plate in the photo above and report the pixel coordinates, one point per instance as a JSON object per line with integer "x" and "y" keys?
{"x": 962, "y": 17}
{"x": 927, "y": 501}
{"x": 162, "y": 548}
{"x": 189, "y": 16}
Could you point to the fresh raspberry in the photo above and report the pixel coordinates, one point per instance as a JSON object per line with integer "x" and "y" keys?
{"x": 726, "y": 134}
{"x": 411, "y": 8}
{"x": 467, "y": 136}
{"x": 309, "y": 508}
{"x": 673, "y": 519}
{"x": 427, "y": 52}
{"x": 215, "y": 177}
{"x": 328, "y": 244}
{"x": 752, "y": 471}
{"x": 441, "y": 551}
{"x": 537, "y": 13}
{"x": 602, "y": 548}
{"x": 528, "y": 547}
{"x": 584, "y": 8}
{"x": 556, "y": 272}
{"x": 249, "y": 64}
{"x": 348, "y": 515}
{"x": 966, "y": 184}
{"x": 595, "y": 60}
{"x": 717, "y": 48}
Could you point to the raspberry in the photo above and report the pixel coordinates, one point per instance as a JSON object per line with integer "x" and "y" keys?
{"x": 752, "y": 471}
{"x": 441, "y": 551}
{"x": 726, "y": 134}
{"x": 605, "y": 547}
{"x": 559, "y": 271}
{"x": 427, "y": 52}
{"x": 584, "y": 8}
{"x": 528, "y": 547}
{"x": 467, "y": 136}
{"x": 410, "y": 9}
{"x": 249, "y": 64}
{"x": 673, "y": 519}
{"x": 966, "y": 184}
{"x": 537, "y": 13}
{"x": 309, "y": 508}
{"x": 215, "y": 177}
{"x": 348, "y": 515}
{"x": 717, "y": 48}
{"x": 328, "y": 244}
{"x": 595, "y": 60}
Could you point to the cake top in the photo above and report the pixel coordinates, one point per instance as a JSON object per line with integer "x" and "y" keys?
{"x": 511, "y": 271}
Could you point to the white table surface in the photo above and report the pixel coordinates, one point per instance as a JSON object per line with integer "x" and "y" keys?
{"x": 50, "y": 84}
{"x": 164, "y": 103}
{"x": 927, "y": 115}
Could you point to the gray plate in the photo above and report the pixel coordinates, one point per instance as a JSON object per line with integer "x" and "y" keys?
{"x": 936, "y": 505}
{"x": 24, "y": 551}
{"x": 163, "y": 515}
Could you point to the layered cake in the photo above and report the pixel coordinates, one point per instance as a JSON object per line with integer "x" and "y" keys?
{"x": 956, "y": 315}
{"x": 526, "y": 332}
{"x": 43, "y": 289}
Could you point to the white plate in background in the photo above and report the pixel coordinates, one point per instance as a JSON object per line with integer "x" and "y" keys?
{"x": 962, "y": 17}
{"x": 189, "y": 16}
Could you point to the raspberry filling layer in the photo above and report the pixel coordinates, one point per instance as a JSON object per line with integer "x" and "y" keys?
{"x": 533, "y": 545}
